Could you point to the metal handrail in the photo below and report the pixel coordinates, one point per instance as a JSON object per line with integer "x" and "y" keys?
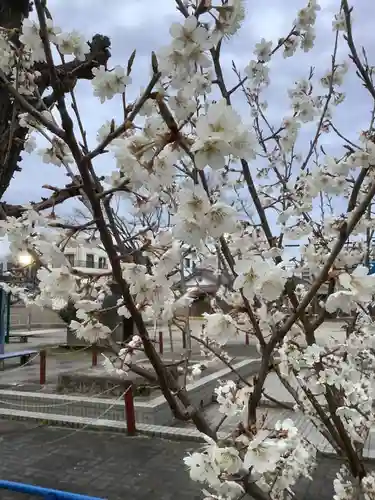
{"x": 89, "y": 264}
{"x": 46, "y": 493}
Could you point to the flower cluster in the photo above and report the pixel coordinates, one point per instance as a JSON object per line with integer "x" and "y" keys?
{"x": 122, "y": 363}
{"x": 197, "y": 219}
{"x": 258, "y": 459}
{"x": 220, "y": 133}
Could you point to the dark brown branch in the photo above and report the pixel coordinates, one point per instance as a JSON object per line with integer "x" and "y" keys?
{"x": 279, "y": 335}
{"x": 286, "y": 406}
{"x": 81, "y": 70}
{"x": 29, "y": 108}
{"x": 139, "y": 370}
{"x": 362, "y": 71}
{"x": 258, "y": 205}
{"x": 221, "y": 358}
{"x": 69, "y": 191}
{"x": 356, "y": 189}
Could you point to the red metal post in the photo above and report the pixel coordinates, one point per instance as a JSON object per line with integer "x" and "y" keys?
{"x": 42, "y": 371}
{"x": 247, "y": 340}
{"x": 129, "y": 411}
{"x": 161, "y": 343}
{"x": 94, "y": 353}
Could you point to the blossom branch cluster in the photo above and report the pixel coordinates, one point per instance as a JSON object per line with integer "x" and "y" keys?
{"x": 193, "y": 170}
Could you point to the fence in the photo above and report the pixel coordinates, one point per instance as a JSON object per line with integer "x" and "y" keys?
{"x": 160, "y": 344}
{"x": 47, "y": 493}
{"x": 128, "y": 394}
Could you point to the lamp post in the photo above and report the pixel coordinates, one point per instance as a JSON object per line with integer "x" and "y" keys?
{"x": 26, "y": 262}
{"x": 25, "y": 259}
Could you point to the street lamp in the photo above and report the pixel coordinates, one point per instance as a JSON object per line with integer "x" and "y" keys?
{"x": 25, "y": 259}
{"x": 28, "y": 269}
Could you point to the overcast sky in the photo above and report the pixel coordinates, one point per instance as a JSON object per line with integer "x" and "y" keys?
{"x": 143, "y": 25}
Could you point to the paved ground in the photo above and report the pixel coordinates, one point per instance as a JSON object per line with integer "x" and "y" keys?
{"x": 37, "y": 339}
{"x": 60, "y": 361}
{"x": 113, "y": 466}
{"x": 27, "y": 377}
{"x": 56, "y": 336}
{"x": 67, "y": 361}
{"x": 99, "y": 464}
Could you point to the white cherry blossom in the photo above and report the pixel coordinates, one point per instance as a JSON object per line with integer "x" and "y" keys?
{"x": 58, "y": 154}
{"x": 263, "y": 50}
{"x": 359, "y": 282}
{"x": 190, "y": 32}
{"x": 220, "y": 326}
{"x": 262, "y": 453}
{"x": 107, "y": 84}
{"x": 73, "y": 43}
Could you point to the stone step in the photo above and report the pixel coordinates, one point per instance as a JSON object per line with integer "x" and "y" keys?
{"x": 74, "y": 406}
{"x": 153, "y": 411}
{"x": 168, "y": 432}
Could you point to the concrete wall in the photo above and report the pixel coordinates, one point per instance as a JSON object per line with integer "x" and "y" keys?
{"x": 22, "y": 317}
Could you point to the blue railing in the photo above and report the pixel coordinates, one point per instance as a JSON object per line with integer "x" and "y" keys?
{"x": 46, "y": 493}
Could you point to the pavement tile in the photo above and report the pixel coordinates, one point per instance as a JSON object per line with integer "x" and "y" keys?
{"x": 114, "y": 466}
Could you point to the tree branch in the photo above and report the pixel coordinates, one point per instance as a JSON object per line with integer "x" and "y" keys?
{"x": 69, "y": 191}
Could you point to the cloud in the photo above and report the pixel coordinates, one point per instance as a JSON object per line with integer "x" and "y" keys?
{"x": 144, "y": 25}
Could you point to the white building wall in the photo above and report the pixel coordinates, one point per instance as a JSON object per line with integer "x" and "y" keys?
{"x": 85, "y": 257}
{"x": 79, "y": 252}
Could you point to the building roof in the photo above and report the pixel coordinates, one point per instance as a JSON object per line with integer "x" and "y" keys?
{"x": 204, "y": 280}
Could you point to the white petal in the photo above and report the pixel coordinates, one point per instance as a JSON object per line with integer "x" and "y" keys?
{"x": 175, "y": 30}
{"x": 190, "y": 23}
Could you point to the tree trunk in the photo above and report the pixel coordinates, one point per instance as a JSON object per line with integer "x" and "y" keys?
{"x": 12, "y": 13}
{"x": 12, "y": 136}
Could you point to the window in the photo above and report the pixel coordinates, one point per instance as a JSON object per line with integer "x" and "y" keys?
{"x": 306, "y": 274}
{"x": 187, "y": 263}
{"x": 90, "y": 260}
{"x": 102, "y": 263}
{"x": 1, "y": 267}
{"x": 70, "y": 257}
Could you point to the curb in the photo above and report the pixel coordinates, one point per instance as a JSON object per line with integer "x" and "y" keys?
{"x": 280, "y": 405}
{"x": 160, "y": 431}
{"x": 37, "y": 326}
